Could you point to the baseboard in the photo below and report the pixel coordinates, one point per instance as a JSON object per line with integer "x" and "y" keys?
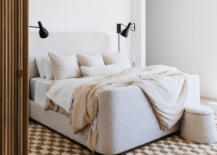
{"x": 208, "y": 93}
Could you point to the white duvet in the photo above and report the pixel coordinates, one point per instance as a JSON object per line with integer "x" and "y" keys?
{"x": 62, "y": 92}
{"x": 166, "y": 88}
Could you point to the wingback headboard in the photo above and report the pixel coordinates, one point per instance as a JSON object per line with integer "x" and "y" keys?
{"x": 65, "y": 43}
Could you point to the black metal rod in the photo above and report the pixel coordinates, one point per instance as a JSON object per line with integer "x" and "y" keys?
{"x": 118, "y": 42}
{"x": 134, "y": 27}
{"x": 131, "y": 27}
{"x": 34, "y": 26}
{"x": 124, "y": 25}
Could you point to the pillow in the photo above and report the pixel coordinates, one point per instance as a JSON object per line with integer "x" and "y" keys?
{"x": 46, "y": 63}
{"x": 119, "y": 58}
{"x": 64, "y": 67}
{"x": 100, "y": 70}
{"x": 40, "y": 67}
{"x": 90, "y": 60}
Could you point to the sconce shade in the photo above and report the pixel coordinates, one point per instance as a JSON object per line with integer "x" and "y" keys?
{"x": 125, "y": 32}
{"x": 43, "y": 33}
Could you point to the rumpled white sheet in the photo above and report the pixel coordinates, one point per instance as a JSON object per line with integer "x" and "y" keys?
{"x": 166, "y": 87}
{"x": 41, "y": 86}
{"x": 62, "y": 92}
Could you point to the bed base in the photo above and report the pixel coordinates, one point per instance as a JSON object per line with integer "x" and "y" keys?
{"x": 125, "y": 117}
{"x": 96, "y": 153}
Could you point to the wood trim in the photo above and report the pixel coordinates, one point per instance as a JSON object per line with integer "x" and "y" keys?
{"x": 26, "y": 75}
{"x": 14, "y": 85}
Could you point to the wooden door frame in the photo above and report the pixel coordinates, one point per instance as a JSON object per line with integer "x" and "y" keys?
{"x": 14, "y": 85}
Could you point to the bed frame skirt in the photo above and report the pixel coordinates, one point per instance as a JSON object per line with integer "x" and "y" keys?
{"x": 126, "y": 119}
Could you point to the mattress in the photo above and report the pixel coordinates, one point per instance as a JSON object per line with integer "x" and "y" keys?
{"x": 39, "y": 86}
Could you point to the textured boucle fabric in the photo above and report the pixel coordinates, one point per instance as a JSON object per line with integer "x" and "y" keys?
{"x": 198, "y": 110}
{"x": 198, "y": 125}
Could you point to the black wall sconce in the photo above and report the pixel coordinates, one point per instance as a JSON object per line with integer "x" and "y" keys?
{"x": 125, "y": 32}
{"x": 43, "y": 33}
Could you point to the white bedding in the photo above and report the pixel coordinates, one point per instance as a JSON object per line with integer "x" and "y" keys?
{"x": 166, "y": 87}
{"x": 39, "y": 86}
{"x": 38, "y": 89}
{"x": 62, "y": 92}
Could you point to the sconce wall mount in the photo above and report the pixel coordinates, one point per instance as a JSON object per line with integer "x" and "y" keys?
{"x": 125, "y": 32}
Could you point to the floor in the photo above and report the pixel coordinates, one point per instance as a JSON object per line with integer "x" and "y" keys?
{"x": 212, "y": 103}
{"x": 46, "y": 142}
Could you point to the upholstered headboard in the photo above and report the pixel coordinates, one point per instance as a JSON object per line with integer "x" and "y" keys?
{"x": 65, "y": 43}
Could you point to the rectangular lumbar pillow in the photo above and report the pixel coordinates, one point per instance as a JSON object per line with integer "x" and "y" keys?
{"x": 100, "y": 70}
{"x": 90, "y": 60}
{"x": 46, "y": 63}
{"x": 119, "y": 58}
{"x": 64, "y": 67}
{"x": 40, "y": 67}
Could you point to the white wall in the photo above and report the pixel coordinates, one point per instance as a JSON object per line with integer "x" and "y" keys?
{"x": 83, "y": 16}
{"x": 138, "y": 44}
{"x": 183, "y": 33}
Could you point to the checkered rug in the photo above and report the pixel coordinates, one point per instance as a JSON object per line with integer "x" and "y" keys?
{"x": 43, "y": 141}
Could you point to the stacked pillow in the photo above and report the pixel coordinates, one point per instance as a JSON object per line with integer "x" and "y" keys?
{"x": 104, "y": 70}
{"x": 40, "y": 67}
{"x": 64, "y": 67}
{"x": 47, "y": 66}
{"x": 60, "y": 67}
{"x": 90, "y": 60}
{"x": 119, "y": 58}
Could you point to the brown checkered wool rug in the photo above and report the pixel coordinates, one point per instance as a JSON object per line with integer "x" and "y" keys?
{"x": 43, "y": 141}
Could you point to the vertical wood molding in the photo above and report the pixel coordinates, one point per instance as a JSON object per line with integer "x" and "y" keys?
{"x": 26, "y": 75}
{"x": 14, "y": 91}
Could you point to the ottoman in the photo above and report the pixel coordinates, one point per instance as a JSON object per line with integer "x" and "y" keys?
{"x": 198, "y": 124}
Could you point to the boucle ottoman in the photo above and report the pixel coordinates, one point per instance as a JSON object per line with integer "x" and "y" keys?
{"x": 198, "y": 124}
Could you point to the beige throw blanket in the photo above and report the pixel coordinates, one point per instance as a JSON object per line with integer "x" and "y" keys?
{"x": 166, "y": 87}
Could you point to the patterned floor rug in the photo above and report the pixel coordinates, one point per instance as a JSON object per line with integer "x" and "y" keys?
{"x": 43, "y": 141}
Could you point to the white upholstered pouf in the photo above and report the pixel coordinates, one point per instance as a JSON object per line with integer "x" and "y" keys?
{"x": 198, "y": 124}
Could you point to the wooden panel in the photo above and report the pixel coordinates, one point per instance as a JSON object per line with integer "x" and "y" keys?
{"x": 13, "y": 89}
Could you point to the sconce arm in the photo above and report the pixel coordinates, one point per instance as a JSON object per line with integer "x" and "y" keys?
{"x": 34, "y": 26}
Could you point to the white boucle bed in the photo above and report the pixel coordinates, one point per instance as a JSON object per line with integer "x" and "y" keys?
{"x": 126, "y": 118}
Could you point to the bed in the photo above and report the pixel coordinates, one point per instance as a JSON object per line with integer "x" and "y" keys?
{"x": 126, "y": 118}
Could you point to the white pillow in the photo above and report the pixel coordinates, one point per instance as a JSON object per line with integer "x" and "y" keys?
{"x": 46, "y": 63}
{"x": 100, "y": 70}
{"x": 119, "y": 58}
{"x": 90, "y": 60}
{"x": 64, "y": 67}
{"x": 40, "y": 67}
